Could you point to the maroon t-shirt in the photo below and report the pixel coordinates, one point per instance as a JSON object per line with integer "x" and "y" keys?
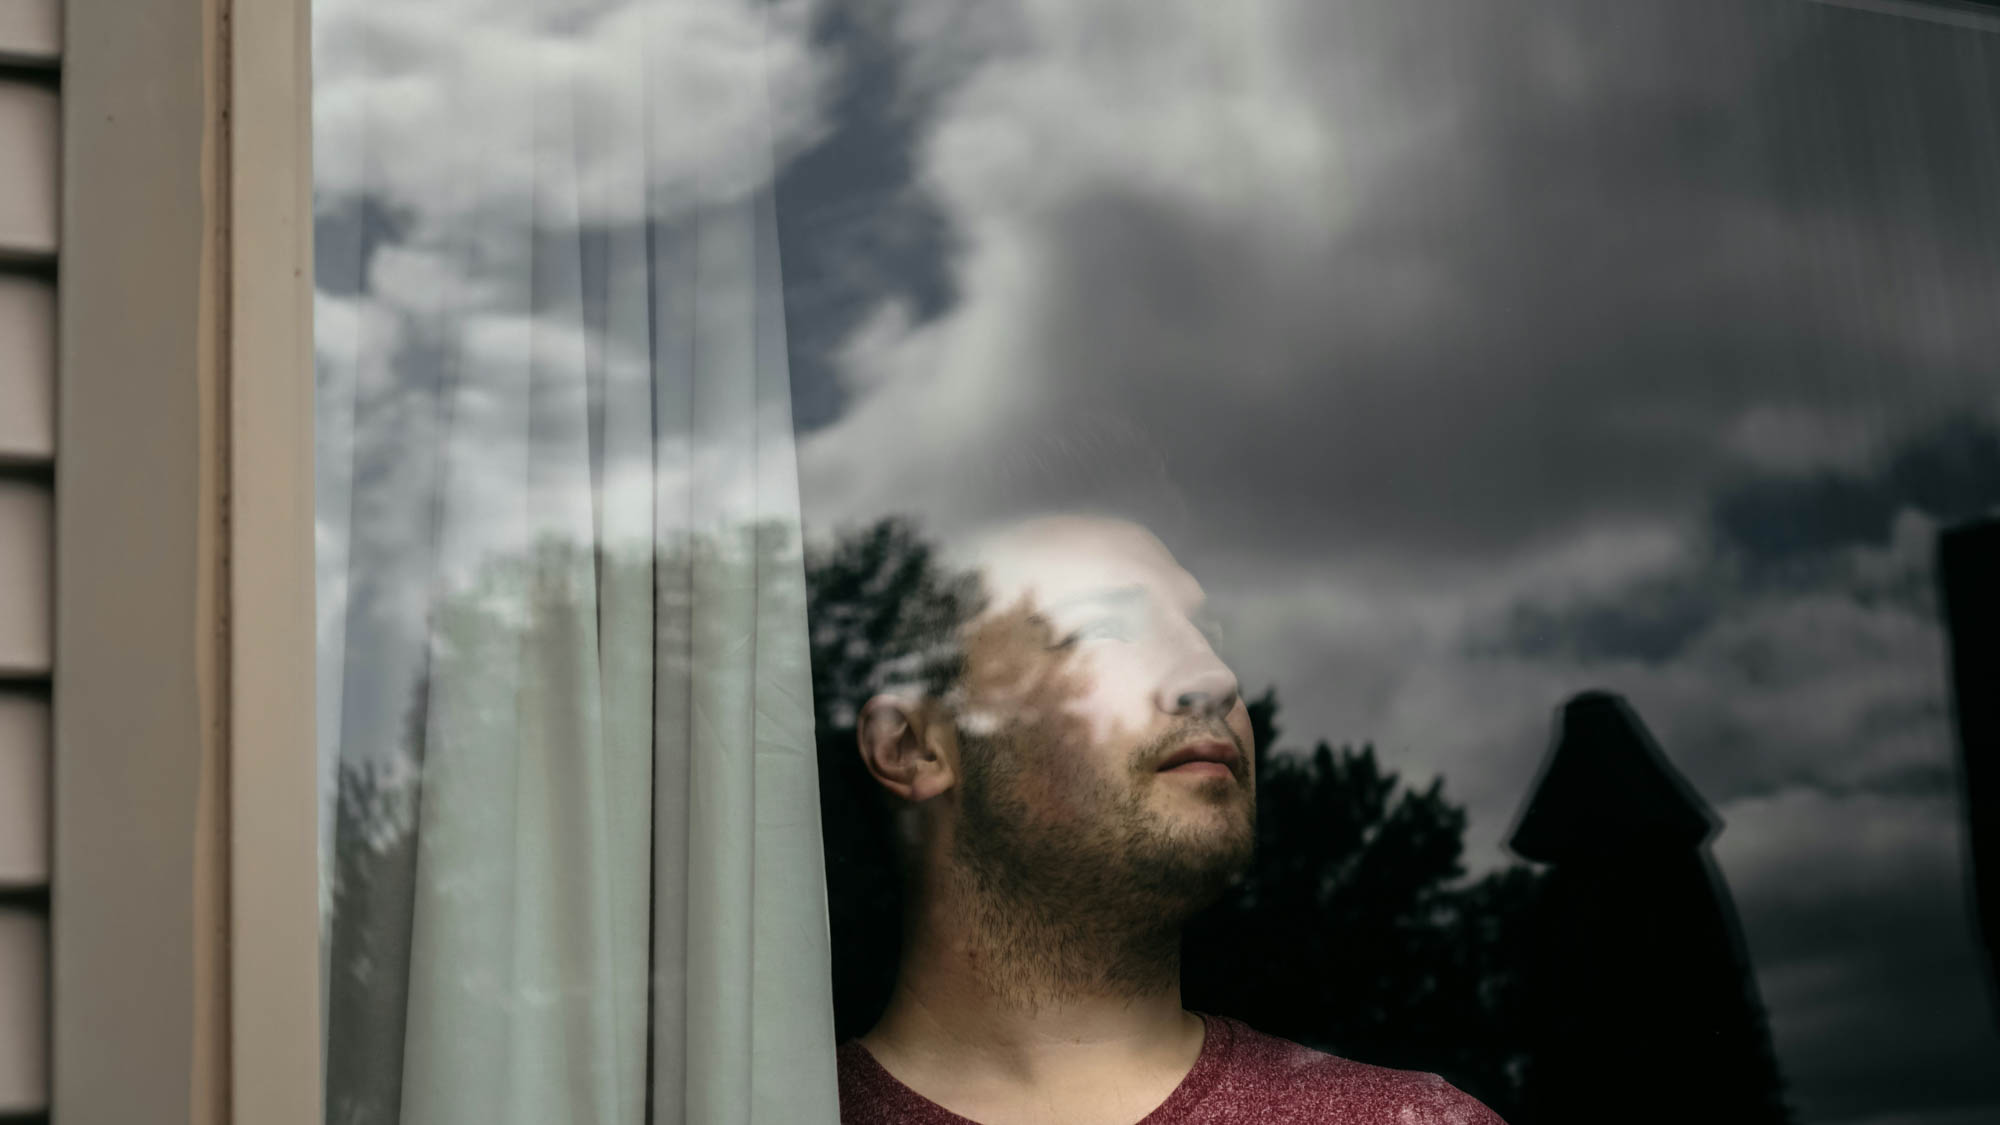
{"x": 1241, "y": 1076}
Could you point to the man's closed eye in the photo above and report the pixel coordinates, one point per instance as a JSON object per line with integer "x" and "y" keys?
{"x": 1096, "y": 630}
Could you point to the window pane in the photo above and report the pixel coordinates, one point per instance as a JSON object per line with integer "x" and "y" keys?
{"x": 1472, "y": 357}
{"x": 1416, "y": 527}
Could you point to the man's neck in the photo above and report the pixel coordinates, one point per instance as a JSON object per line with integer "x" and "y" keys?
{"x": 995, "y": 992}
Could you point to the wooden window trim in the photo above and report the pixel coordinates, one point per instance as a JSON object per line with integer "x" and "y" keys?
{"x": 184, "y": 893}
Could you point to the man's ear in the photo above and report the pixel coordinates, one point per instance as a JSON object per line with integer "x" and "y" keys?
{"x": 908, "y": 746}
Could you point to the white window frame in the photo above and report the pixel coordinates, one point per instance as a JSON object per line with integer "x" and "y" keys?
{"x": 184, "y": 899}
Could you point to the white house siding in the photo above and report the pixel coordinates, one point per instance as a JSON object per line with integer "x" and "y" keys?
{"x": 27, "y": 370}
{"x": 24, "y": 1011}
{"x": 30, "y": 31}
{"x": 24, "y": 872}
{"x": 27, "y": 535}
{"x": 29, "y": 123}
{"x": 30, "y": 41}
{"x": 24, "y": 786}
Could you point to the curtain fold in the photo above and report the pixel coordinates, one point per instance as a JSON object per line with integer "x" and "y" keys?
{"x": 574, "y": 862}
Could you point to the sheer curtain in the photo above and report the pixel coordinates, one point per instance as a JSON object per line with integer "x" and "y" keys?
{"x": 573, "y": 867}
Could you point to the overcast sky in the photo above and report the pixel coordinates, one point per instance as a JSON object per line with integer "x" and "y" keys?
{"x": 1471, "y": 355}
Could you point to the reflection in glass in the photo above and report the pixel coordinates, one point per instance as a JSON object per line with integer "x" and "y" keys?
{"x": 1473, "y": 356}
{"x": 573, "y": 872}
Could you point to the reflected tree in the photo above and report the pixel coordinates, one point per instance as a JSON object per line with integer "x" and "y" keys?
{"x": 1356, "y": 931}
{"x": 557, "y": 685}
{"x": 371, "y": 902}
{"x": 876, "y": 591}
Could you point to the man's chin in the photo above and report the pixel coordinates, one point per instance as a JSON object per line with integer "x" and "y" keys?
{"x": 1199, "y": 867}
{"x": 1211, "y": 806}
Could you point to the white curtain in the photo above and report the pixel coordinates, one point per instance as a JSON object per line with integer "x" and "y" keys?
{"x": 573, "y": 867}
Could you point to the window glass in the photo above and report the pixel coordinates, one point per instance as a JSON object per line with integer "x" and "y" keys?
{"x": 1524, "y": 434}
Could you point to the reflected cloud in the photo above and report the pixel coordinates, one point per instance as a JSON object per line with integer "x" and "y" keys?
{"x": 1472, "y": 354}
{"x": 453, "y": 113}
{"x": 1491, "y": 353}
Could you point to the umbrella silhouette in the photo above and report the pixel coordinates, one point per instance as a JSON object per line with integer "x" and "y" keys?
{"x": 1645, "y": 1008}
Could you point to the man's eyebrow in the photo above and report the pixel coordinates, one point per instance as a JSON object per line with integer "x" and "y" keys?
{"x": 1119, "y": 597}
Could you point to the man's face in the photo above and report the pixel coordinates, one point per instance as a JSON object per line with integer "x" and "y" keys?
{"x": 1105, "y": 748}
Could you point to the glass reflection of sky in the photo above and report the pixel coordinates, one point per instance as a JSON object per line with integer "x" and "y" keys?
{"x": 1473, "y": 355}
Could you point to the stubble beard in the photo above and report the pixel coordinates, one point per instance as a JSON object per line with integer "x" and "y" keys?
{"x": 1062, "y": 912}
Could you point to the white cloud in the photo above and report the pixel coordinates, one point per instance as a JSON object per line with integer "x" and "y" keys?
{"x": 1798, "y": 848}
{"x": 477, "y": 114}
{"x": 466, "y": 154}
{"x": 1444, "y": 286}
{"x": 1430, "y": 315}
{"x": 1838, "y": 683}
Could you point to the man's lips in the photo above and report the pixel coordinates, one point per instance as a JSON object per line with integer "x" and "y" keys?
{"x": 1203, "y": 757}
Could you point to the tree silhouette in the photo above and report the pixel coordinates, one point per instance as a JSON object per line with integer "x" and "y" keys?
{"x": 368, "y": 919}
{"x": 1355, "y": 932}
{"x": 877, "y": 597}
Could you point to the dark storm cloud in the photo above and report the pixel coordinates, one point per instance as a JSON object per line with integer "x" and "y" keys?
{"x": 346, "y": 232}
{"x": 1950, "y": 473}
{"x": 1862, "y": 945}
{"x": 1771, "y": 534}
{"x": 1627, "y": 233}
{"x": 1562, "y": 273}
{"x": 1495, "y": 352}
{"x": 1651, "y": 621}
{"x": 1605, "y": 272}
{"x": 854, "y": 229}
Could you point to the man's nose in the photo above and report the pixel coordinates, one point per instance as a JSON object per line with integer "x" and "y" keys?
{"x": 1200, "y": 687}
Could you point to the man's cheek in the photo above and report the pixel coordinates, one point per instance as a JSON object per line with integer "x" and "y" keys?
{"x": 1239, "y": 721}
{"x": 1108, "y": 713}
{"x": 1059, "y": 775}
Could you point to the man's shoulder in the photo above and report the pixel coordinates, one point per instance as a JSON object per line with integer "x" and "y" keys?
{"x": 1319, "y": 1086}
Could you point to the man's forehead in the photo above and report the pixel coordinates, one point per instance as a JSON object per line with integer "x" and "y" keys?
{"x": 1071, "y": 560}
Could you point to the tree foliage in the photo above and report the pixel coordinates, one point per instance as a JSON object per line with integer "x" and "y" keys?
{"x": 1356, "y": 931}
